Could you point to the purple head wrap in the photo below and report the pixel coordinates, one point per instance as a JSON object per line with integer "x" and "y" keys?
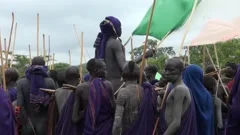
{"x": 36, "y": 74}
{"x": 110, "y": 27}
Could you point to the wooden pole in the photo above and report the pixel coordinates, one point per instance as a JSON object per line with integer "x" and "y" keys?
{"x": 44, "y": 49}
{"x": 38, "y": 34}
{"x": 216, "y": 55}
{"x": 204, "y": 58}
{"x": 81, "y": 65}
{"x": 13, "y": 49}
{"x": 53, "y": 61}
{"x": 145, "y": 45}
{"x": 132, "y": 52}
{"x": 48, "y": 51}
{"x": 69, "y": 54}
{"x": 188, "y": 26}
{"x": 5, "y": 51}
{"x": 30, "y": 55}
{"x": 9, "y": 42}
{"x": 188, "y": 50}
{"x": 2, "y": 66}
{"x": 219, "y": 77}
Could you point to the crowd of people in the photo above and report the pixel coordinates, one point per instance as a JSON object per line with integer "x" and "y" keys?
{"x": 111, "y": 100}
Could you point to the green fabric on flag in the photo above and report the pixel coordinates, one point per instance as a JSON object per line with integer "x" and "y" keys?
{"x": 158, "y": 76}
{"x": 168, "y": 15}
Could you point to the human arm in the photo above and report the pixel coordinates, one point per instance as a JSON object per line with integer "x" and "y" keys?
{"x": 119, "y": 53}
{"x": 112, "y": 97}
{"x": 218, "y": 105}
{"x": 76, "y": 116}
{"x": 178, "y": 98}
{"x": 20, "y": 97}
{"x": 149, "y": 53}
{"x": 121, "y": 99}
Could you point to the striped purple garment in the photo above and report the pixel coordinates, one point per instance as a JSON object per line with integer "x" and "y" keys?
{"x": 99, "y": 115}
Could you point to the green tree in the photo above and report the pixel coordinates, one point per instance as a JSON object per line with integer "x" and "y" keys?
{"x": 227, "y": 52}
{"x": 152, "y": 44}
{"x": 160, "y": 56}
{"x": 21, "y": 63}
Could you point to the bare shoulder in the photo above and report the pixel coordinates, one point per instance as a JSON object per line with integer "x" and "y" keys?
{"x": 181, "y": 91}
{"x": 108, "y": 83}
{"x": 82, "y": 85}
{"x": 182, "y": 88}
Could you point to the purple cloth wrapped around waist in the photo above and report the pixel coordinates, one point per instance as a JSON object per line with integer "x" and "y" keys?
{"x": 7, "y": 116}
{"x": 65, "y": 126}
{"x": 99, "y": 114}
{"x": 144, "y": 125}
{"x": 188, "y": 124}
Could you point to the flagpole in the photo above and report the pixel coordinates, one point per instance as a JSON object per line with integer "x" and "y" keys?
{"x": 145, "y": 45}
{"x": 188, "y": 25}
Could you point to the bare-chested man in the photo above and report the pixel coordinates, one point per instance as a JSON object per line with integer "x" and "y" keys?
{"x": 94, "y": 101}
{"x": 65, "y": 98}
{"x": 136, "y": 105}
{"x": 33, "y": 102}
{"x": 178, "y": 112}
{"x": 110, "y": 49}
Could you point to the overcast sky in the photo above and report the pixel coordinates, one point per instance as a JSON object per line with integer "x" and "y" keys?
{"x": 57, "y": 18}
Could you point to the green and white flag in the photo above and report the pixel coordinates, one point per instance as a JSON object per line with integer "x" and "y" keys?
{"x": 168, "y": 15}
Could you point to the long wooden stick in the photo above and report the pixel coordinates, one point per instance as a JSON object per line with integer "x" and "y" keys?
{"x": 159, "y": 44}
{"x": 216, "y": 55}
{"x": 81, "y": 64}
{"x": 38, "y": 34}
{"x": 204, "y": 57}
{"x": 188, "y": 26}
{"x": 5, "y": 51}
{"x": 132, "y": 53}
{"x": 44, "y": 49}
{"x": 53, "y": 61}
{"x": 9, "y": 42}
{"x": 145, "y": 45}
{"x": 13, "y": 49}
{"x": 161, "y": 106}
{"x": 2, "y": 66}
{"x": 127, "y": 41}
{"x": 48, "y": 51}
{"x": 69, "y": 55}
{"x": 30, "y": 55}
{"x": 219, "y": 77}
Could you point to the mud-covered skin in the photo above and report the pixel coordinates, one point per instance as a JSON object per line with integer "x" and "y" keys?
{"x": 39, "y": 120}
{"x": 115, "y": 60}
{"x": 179, "y": 98}
{"x": 127, "y": 107}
